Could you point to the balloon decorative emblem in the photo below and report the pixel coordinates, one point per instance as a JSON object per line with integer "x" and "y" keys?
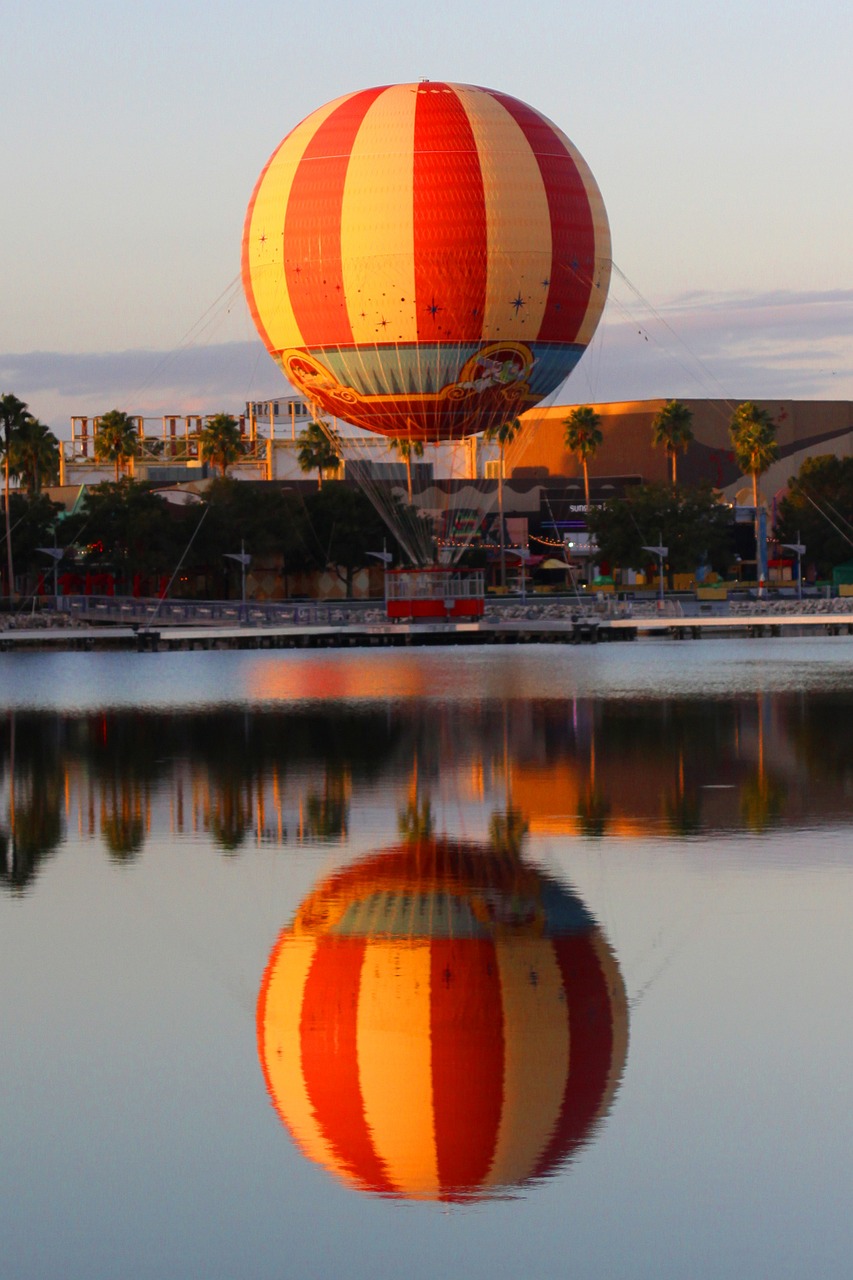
{"x": 442, "y": 1022}
{"x": 424, "y": 260}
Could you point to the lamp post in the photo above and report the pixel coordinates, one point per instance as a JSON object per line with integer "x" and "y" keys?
{"x": 56, "y": 554}
{"x": 799, "y": 551}
{"x": 244, "y": 561}
{"x": 661, "y": 552}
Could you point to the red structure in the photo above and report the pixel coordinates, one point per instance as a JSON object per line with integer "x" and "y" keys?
{"x": 434, "y": 594}
{"x": 426, "y": 260}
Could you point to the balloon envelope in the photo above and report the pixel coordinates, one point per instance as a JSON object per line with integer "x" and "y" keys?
{"x": 426, "y": 260}
{"x": 442, "y": 1022}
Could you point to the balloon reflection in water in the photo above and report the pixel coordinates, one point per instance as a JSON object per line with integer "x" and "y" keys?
{"x": 442, "y": 1021}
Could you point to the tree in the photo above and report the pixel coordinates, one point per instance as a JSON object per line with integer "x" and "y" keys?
{"x": 35, "y": 455}
{"x": 130, "y": 530}
{"x": 33, "y": 520}
{"x": 753, "y": 436}
{"x": 583, "y": 438}
{"x": 407, "y": 449}
{"x": 220, "y": 442}
{"x": 317, "y": 452}
{"x": 691, "y": 523}
{"x": 818, "y": 510}
{"x": 503, "y": 434}
{"x": 270, "y": 520}
{"x": 117, "y": 439}
{"x": 342, "y": 527}
{"x": 13, "y": 414}
{"x": 672, "y": 431}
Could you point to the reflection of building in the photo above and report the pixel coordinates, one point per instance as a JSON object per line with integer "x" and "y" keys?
{"x": 351, "y": 734}
{"x": 442, "y": 1021}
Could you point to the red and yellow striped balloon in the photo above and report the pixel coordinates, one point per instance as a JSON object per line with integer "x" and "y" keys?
{"x": 442, "y": 1021}
{"x": 426, "y": 259}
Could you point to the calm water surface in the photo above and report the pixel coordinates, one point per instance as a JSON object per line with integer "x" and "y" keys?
{"x": 470, "y": 963}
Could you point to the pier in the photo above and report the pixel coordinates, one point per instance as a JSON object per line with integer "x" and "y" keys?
{"x": 88, "y": 622}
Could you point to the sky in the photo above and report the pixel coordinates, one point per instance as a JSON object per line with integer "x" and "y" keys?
{"x": 131, "y": 138}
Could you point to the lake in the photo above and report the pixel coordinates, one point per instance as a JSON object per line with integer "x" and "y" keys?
{"x": 492, "y": 962}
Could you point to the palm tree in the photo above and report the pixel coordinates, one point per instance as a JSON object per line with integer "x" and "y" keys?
{"x": 220, "y": 442}
{"x": 583, "y": 437}
{"x": 672, "y": 430}
{"x": 117, "y": 439}
{"x": 35, "y": 455}
{"x": 13, "y": 414}
{"x": 753, "y": 436}
{"x": 407, "y": 449}
{"x": 504, "y": 434}
{"x": 317, "y": 452}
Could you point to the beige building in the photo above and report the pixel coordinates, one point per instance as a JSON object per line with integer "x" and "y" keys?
{"x": 804, "y": 428}
{"x": 169, "y": 446}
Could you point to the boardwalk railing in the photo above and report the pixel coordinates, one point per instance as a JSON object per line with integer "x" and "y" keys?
{"x": 129, "y": 611}
{"x": 156, "y": 614}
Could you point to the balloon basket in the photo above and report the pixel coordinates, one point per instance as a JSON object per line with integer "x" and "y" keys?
{"x": 441, "y": 595}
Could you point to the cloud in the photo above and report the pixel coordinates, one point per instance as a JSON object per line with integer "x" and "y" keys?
{"x": 57, "y": 385}
{"x": 779, "y": 345}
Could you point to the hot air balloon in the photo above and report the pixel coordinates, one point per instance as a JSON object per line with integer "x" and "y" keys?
{"x": 442, "y": 1022}
{"x": 426, "y": 260}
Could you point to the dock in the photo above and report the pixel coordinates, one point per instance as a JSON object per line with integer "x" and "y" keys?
{"x": 364, "y": 625}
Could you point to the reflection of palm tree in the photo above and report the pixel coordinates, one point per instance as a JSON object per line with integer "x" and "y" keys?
{"x": 38, "y": 824}
{"x": 507, "y": 830}
{"x": 229, "y": 817}
{"x": 37, "y": 834}
{"x": 415, "y": 822}
{"x": 35, "y": 806}
{"x": 326, "y": 816}
{"x": 762, "y": 801}
{"x": 683, "y": 811}
{"x": 124, "y": 834}
{"x": 593, "y": 811}
{"x": 121, "y": 820}
{"x": 682, "y": 808}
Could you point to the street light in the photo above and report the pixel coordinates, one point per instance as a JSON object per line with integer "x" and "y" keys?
{"x": 799, "y": 551}
{"x": 661, "y": 552}
{"x": 56, "y": 554}
{"x": 244, "y": 561}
